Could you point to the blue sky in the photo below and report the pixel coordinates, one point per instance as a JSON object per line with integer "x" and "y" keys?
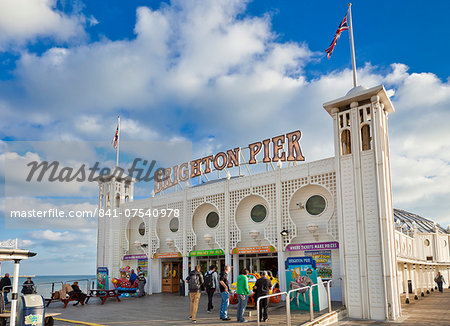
{"x": 219, "y": 74}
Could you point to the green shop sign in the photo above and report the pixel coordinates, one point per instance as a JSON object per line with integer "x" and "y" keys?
{"x": 212, "y": 252}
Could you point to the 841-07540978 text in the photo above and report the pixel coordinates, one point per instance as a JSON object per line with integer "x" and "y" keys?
{"x": 140, "y": 212}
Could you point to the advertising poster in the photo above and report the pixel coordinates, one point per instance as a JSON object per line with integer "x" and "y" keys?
{"x": 143, "y": 264}
{"x": 301, "y": 272}
{"x": 323, "y": 262}
{"x": 102, "y": 278}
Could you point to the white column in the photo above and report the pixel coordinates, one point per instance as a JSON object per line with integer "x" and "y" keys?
{"x": 228, "y": 262}
{"x": 282, "y": 271}
{"x": 14, "y": 294}
{"x": 421, "y": 281}
{"x": 430, "y": 278}
{"x": 185, "y": 273}
{"x": 235, "y": 267}
{"x": 448, "y": 276}
{"x": 416, "y": 285}
{"x": 406, "y": 277}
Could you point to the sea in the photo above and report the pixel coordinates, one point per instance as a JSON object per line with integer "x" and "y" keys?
{"x": 45, "y": 283}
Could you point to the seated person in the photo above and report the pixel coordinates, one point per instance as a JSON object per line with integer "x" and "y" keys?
{"x": 28, "y": 286}
{"x": 78, "y": 293}
{"x": 133, "y": 278}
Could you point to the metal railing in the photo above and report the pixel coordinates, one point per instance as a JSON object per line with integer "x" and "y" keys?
{"x": 311, "y": 307}
{"x": 308, "y": 289}
{"x": 2, "y": 297}
{"x": 48, "y": 283}
{"x": 288, "y": 312}
{"x": 88, "y": 285}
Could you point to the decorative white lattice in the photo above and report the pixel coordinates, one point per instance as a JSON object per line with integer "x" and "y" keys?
{"x": 235, "y": 197}
{"x": 191, "y": 238}
{"x": 219, "y": 201}
{"x": 287, "y": 189}
{"x": 328, "y": 181}
{"x": 270, "y": 230}
{"x": 124, "y": 238}
{"x": 179, "y": 236}
{"x": 154, "y": 239}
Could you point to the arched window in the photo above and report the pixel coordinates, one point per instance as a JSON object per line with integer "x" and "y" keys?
{"x": 117, "y": 201}
{"x": 346, "y": 143}
{"x": 366, "y": 137}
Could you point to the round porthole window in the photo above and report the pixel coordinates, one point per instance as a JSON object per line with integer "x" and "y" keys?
{"x": 427, "y": 242}
{"x": 315, "y": 205}
{"x": 258, "y": 213}
{"x": 174, "y": 224}
{"x": 142, "y": 228}
{"x": 212, "y": 219}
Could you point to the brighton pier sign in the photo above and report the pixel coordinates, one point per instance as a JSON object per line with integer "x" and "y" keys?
{"x": 273, "y": 150}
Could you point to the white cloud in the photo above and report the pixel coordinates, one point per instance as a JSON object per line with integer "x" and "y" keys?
{"x": 24, "y": 20}
{"x": 203, "y": 71}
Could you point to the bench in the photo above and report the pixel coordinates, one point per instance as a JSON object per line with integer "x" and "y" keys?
{"x": 72, "y": 297}
{"x": 103, "y": 295}
{"x": 48, "y": 318}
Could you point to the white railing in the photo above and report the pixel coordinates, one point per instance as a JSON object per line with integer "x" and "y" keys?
{"x": 288, "y": 312}
{"x": 308, "y": 289}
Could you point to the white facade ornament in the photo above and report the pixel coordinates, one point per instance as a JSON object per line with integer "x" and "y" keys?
{"x": 254, "y": 234}
{"x": 208, "y": 238}
{"x": 14, "y": 243}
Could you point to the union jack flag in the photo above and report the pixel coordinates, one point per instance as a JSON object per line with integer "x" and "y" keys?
{"x": 342, "y": 27}
{"x": 116, "y": 138}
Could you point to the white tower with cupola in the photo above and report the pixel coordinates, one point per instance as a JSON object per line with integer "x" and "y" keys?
{"x": 364, "y": 204}
{"x": 113, "y": 192}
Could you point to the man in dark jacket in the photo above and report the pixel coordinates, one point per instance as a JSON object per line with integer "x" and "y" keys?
{"x": 262, "y": 287}
{"x": 195, "y": 281}
{"x": 5, "y": 286}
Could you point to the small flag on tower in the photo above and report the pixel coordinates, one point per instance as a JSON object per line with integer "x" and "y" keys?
{"x": 342, "y": 27}
{"x": 115, "y": 140}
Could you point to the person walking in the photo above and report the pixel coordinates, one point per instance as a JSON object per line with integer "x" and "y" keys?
{"x": 211, "y": 285}
{"x": 224, "y": 292}
{"x": 242, "y": 292}
{"x": 195, "y": 282}
{"x": 141, "y": 281}
{"x": 439, "y": 279}
{"x": 5, "y": 286}
{"x": 262, "y": 287}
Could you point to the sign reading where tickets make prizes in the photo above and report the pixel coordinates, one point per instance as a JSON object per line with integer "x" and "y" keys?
{"x": 253, "y": 250}
{"x": 313, "y": 246}
{"x": 211, "y": 252}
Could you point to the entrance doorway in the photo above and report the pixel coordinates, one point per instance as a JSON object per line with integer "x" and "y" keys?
{"x": 171, "y": 273}
{"x": 206, "y": 262}
{"x": 259, "y": 262}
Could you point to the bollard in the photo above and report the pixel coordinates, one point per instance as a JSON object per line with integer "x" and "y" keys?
{"x": 329, "y": 296}
{"x": 311, "y": 307}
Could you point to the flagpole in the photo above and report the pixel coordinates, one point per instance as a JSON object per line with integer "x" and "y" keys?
{"x": 352, "y": 44}
{"x": 118, "y": 140}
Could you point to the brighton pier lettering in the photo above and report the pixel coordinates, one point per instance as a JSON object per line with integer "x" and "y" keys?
{"x": 169, "y": 177}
